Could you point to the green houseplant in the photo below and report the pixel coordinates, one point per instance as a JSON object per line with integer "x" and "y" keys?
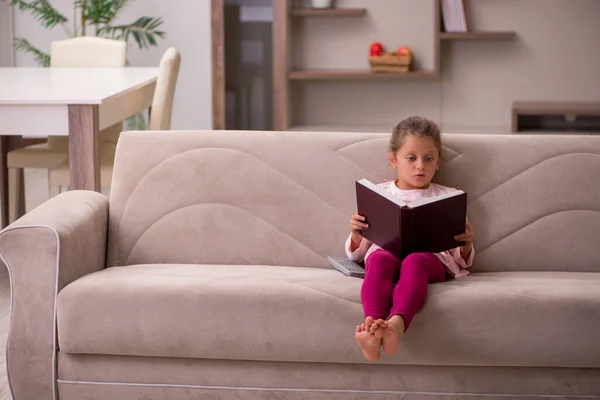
{"x": 90, "y": 17}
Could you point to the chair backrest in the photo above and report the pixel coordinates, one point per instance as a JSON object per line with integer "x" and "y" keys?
{"x": 88, "y": 51}
{"x": 162, "y": 104}
{"x": 285, "y": 198}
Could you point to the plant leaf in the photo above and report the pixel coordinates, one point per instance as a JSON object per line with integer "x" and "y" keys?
{"x": 24, "y": 46}
{"x": 144, "y": 31}
{"x": 42, "y": 11}
{"x": 136, "y": 122}
{"x": 101, "y": 12}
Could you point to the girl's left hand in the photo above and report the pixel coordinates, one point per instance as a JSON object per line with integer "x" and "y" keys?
{"x": 466, "y": 237}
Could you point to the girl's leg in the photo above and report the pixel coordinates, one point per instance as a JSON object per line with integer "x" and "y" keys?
{"x": 382, "y": 269}
{"x": 417, "y": 271}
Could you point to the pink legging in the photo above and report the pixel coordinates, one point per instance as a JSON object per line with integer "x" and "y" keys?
{"x": 393, "y": 287}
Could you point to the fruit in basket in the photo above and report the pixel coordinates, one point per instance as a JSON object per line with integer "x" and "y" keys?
{"x": 376, "y": 49}
{"x": 404, "y": 51}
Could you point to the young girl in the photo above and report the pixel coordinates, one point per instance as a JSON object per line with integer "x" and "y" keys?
{"x": 394, "y": 290}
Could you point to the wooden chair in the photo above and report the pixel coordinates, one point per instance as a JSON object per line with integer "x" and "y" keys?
{"x": 160, "y": 119}
{"x": 80, "y": 52}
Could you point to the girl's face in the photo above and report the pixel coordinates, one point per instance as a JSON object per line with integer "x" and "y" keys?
{"x": 416, "y": 162}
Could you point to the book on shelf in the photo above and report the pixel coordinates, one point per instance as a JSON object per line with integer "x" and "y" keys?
{"x": 425, "y": 225}
{"x": 454, "y": 16}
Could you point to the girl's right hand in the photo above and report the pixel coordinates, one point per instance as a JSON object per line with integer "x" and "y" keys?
{"x": 357, "y": 224}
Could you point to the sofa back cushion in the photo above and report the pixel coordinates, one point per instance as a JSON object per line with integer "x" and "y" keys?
{"x": 285, "y": 198}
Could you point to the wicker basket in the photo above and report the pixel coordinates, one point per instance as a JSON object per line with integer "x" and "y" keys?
{"x": 390, "y": 63}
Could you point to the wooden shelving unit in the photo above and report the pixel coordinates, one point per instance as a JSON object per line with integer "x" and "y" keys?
{"x": 286, "y": 76}
{"x": 507, "y": 35}
{"x": 328, "y": 12}
{"x": 312, "y": 75}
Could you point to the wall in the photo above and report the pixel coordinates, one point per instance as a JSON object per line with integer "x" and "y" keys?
{"x": 340, "y": 42}
{"x": 188, "y": 28}
{"x": 5, "y": 48}
{"x": 555, "y": 58}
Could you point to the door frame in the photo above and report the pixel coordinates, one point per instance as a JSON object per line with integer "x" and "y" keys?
{"x": 218, "y": 63}
{"x": 281, "y": 27}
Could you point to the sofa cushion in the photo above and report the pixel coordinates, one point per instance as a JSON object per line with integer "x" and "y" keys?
{"x": 303, "y": 314}
{"x": 296, "y": 191}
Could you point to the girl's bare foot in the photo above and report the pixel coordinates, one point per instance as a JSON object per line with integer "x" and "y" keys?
{"x": 368, "y": 322}
{"x": 369, "y": 344}
{"x": 378, "y": 328}
{"x": 393, "y": 334}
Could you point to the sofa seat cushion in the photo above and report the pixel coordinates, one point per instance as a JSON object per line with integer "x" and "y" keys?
{"x": 303, "y": 314}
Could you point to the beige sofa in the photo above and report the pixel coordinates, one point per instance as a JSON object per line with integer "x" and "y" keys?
{"x": 204, "y": 276}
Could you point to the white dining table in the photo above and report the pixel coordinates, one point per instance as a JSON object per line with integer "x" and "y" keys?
{"x": 73, "y": 102}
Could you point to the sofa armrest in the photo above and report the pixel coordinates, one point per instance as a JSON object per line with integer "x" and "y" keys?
{"x": 50, "y": 247}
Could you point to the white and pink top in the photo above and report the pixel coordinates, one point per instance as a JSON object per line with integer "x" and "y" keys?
{"x": 452, "y": 259}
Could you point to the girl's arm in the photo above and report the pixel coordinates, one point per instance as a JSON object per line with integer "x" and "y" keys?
{"x": 463, "y": 255}
{"x": 458, "y": 257}
{"x": 359, "y": 253}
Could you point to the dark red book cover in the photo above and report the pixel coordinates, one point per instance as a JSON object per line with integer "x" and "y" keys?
{"x": 404, "y": 229}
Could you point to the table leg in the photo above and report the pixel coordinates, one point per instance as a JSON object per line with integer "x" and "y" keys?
{"x": 83, "y": 147}
{"x": 8, "y": 143}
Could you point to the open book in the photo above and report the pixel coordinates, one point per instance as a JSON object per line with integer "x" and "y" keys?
{"x": 425, "y": 225}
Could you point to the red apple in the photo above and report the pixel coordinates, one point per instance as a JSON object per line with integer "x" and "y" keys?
{"x": 404, "y": 51}
{"x": 376, "y": 49}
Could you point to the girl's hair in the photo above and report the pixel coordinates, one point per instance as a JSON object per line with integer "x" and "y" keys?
{"x": 418, "y": 126}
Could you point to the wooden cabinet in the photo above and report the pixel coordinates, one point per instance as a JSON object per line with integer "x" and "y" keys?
{"x": 556, "y": 116}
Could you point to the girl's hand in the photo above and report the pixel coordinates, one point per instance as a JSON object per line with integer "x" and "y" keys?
{"x": 466, "y": 237}
{"x": 357, "y": 224}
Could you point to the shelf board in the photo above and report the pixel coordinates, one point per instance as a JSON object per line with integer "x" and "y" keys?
{"x": 343, "y": 74}
{"x": 505, "y": 35}
{"x": 328, "y": 12}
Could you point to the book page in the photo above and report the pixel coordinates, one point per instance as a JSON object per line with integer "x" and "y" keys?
{"x": 429, "y": 200}
{"x": 368, "y": 184}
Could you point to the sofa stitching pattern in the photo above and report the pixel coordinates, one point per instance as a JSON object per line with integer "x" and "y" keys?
{"x": 454, "y": 154}
{"x": 220, "y": 204}
{"x": 386, "y": 137}
{"x": 296, "y": 283}
{"x": 359, "y": 142}
{"x": 531, "y": 223}
{"x": 118, "y": 257}
{"x": 530, "y": 168}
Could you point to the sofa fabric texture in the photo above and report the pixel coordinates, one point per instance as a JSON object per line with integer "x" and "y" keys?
{"x": 210, "y": 258}
{"x": 295, "y": 192}
{"x": 475, "y": 322}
